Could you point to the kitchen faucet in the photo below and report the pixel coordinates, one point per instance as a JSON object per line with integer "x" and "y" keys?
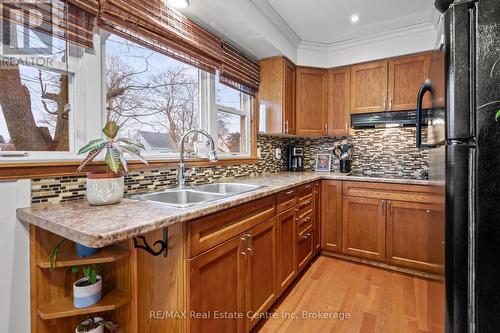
{"x": 212, "y": 155}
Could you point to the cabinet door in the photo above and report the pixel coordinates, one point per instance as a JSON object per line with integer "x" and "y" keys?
{"x": 331, "y": 219}
{"x": 406, "y": 76}
{"x": 217, "y": 283}
{"x": 287, "y": 249}
{"x": 261, "y": 283}
{"x": 289, "y": 97}
{"x": 369, "y": 87}
{"x": 339, "y": 91}
{"x": 363, "y": 229}
{"x": 305, "y": 248}
{"x": 311, "y": 101}
{"x": 317, "y": 216}
{"x": 415, "y": 235}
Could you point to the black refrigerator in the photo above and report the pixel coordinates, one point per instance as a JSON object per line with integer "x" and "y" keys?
{"x": 469, "y": 151}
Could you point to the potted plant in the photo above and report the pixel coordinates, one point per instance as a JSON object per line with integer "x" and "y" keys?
{"x": 95, "y": 325}
{"x": 81, "y": 251}
{"x": 87, "y": 291}
{"x": 106, "y": 188}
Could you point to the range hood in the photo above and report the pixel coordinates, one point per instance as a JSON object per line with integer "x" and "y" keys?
{"x": 388, "y": 119}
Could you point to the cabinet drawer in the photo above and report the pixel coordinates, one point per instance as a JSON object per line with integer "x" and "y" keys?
{"x": 210, "y": 231}
{"x": 287, "y": 199}
{"x": 400, "y": 192}
{"x": 305, "y": 224}
{"x": 305, "y": 192}
{"x": 305, "y": 208}
{"x": 305, "y": 248}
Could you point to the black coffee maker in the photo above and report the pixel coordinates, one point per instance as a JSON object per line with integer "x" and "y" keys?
{"x": 295, "y": 158}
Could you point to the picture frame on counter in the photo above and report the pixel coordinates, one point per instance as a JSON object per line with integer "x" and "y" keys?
{"x": 323, "y": 162}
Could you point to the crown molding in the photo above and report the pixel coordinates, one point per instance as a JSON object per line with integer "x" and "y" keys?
{"x": 409, "y": 30}
{"x": 266, "y": 9}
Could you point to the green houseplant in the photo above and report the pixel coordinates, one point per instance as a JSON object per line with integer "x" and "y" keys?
{"x": 95, "y": 325}
{"x": 106, "y": 188}
{"x": 87, "y": 291}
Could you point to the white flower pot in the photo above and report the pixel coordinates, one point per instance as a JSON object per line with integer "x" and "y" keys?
{"x": 99, "y": 329}
{"x": 87, "y": 296}
{"x": 105, "y": 188}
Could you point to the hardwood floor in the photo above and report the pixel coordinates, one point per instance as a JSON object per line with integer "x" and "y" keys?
{"x": 377, "y": 300}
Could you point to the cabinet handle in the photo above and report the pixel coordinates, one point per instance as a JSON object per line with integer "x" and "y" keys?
{"x": 250, "y": 242}
{"x": 306, "y": 236}
{"x": 289, "y": 192}
{"x": 389, "y": 205}
{"x": 385, "y": 104}
{"x": 346, "y": 126}
{"x": 390, "y": 104}
{"x": 326, "y": 128}
{"x": 286, "y": 126}
{"x": 308, "y": 186}
{"x": 244, "y": 241}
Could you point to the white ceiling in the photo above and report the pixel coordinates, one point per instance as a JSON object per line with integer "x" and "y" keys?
{"x": 328, "y": 21}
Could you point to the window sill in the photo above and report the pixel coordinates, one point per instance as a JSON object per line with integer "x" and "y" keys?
{"x": 30, "y": 170}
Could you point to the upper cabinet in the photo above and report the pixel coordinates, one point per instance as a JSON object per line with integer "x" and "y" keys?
{"x": 406, "y": 76}
{"x": 369, "y": 87}
{"x": 339, "y": 92}
{"x": 390, "y": 85}
{"x": 312, "y": 101}
{"x": 277, "y": 94}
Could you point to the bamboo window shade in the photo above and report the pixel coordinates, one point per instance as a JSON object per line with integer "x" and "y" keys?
{"x": 62, "y": 20}
{"x": 155, "y": 26}
{"x": 239, "y": 71}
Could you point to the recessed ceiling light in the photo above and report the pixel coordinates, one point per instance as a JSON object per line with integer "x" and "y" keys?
{"x": 354, "y": 18}
{"x": 179, "y": 4}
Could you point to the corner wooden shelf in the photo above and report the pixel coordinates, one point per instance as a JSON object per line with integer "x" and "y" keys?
{"x": 105, "y": 255}
{"x": 62, "y": 308}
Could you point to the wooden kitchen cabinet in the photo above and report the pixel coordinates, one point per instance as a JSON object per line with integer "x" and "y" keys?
{"x": 312, "y": 101}
{"x": 261, "y": 270}
{"x": 415, "y": 235}
{"x": 287, "y": 249}
{"x": 305, "y": 248}
{"x": 331, "y": 215}
{"x": 369, "y": 87}
{"x": 363, "y": 228}
{"x": 317, "y": 216}
{"x": 277, "y": 94}
{"x": 339, "y": 92}
{"x": 406, "y": 76}
{"x": 217, "y": 283}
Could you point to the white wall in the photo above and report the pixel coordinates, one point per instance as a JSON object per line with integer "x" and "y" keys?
{"x": 14, "y": 248}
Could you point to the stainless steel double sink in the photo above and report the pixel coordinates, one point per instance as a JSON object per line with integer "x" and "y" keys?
{"x": 197, "y": 195}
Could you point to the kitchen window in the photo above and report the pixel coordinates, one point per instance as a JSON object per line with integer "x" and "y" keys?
{"x": 157, "y": 99}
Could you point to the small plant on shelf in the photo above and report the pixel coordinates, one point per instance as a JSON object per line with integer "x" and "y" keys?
{"x": 81, "y": 251}
{"x": 106, "y": 188}
{"x": 96, "y": 325}
{"x": 87, "y": 291}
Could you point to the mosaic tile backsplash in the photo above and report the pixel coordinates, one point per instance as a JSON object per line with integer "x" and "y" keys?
{"x": 377, "y": 152}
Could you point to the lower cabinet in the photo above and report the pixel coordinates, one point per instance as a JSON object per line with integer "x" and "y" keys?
{"x": 317, "y": 216}
{"x": 415, "y": 235}
{"x": 363, "y": 228}
{"x": 217, "y": 283}
{"x": 261, "y": 283}
{"x": 331, "y": 215}
{"x": 305, "y": 248}
{"x": 287, "y": 249}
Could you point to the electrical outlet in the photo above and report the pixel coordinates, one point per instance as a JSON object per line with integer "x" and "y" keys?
{"x": 259, "y": 153}
{"x": 278, "y": 153}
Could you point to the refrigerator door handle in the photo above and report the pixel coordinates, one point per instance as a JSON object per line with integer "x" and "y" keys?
{"x": 426, "y": 87}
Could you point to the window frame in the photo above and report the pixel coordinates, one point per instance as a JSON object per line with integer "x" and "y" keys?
{"x": 86, "y": 123}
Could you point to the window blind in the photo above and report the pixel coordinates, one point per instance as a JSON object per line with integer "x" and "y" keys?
{"x": 55, "y": 18}
{"x": 239, "y": 71}
{"x": 154, "y": 25}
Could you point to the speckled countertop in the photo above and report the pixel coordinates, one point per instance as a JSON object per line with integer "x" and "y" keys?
{"x": 105, "y": 225}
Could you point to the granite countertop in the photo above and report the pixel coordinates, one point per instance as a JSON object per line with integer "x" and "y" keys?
{"x": 104, "y": 225}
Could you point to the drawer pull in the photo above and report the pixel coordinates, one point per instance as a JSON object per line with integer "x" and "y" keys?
{"x": 307, "y": 236}
{"x": 290, "y": 192}
{"x": 307, "y": 186}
